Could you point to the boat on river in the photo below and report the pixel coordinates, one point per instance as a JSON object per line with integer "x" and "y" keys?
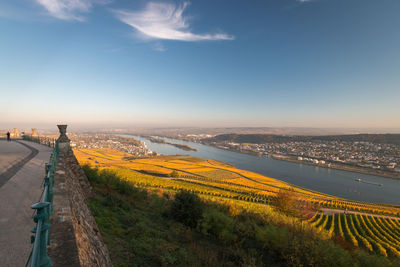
{"x": 368, "y": 182}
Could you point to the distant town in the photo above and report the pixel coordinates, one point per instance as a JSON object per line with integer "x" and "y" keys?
{"x": 377, "y": 154}
{"x": 363, "y": 154}
{"x": 382, "y": 158}
{"x": 125, "y": 144}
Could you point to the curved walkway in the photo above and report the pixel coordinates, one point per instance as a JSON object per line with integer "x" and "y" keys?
{"x": 22, "y": 169}
{"x": 10, "y": 154}
{"x": 12, "y": 164}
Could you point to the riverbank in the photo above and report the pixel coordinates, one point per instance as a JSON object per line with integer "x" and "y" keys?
{"x": 163, "y": 141}
{"x": 339, "y": 166}
{"x": 248, "y": 152}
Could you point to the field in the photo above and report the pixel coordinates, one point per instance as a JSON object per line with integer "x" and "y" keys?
{"x": 366, "y": 225}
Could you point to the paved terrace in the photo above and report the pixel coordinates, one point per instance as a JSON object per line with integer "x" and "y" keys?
{"x": 22, "y": 169}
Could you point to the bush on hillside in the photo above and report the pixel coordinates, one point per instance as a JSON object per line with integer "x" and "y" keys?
{"x": 285, "y": 202}
{"x": 174, "y": 174}
{"x": 218, "y": 224}
{"x": 110, "y": 180}
{"x": 187, "y": 208}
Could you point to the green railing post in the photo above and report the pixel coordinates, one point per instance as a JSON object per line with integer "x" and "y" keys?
{"x": 48, "y": 166}
{"x": 39, "y": 254}
{"x": 49, "y": 181}
{"x": 49, "y": 208}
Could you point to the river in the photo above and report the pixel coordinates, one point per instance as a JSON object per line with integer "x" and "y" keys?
{"x": 330, "y": 181}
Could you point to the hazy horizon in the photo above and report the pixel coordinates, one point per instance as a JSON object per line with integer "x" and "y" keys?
{"x": 74, "y": 128}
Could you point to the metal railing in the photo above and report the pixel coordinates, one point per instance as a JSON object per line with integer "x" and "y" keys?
{"x": 44, "y": 140}
{"x": 44, "y": 208}
{"x": 4, "y": 137}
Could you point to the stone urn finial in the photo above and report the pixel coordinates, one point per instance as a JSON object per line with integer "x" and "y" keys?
{"x": 63, "y": 136}
{"x": 34, "y": 132}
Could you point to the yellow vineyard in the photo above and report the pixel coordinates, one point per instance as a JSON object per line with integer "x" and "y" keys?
{"x": 211, "y": 177}
{"x": 221, "y": 182}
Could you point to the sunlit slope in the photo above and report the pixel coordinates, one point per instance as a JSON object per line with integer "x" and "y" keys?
{"x": 379, "y": 234}
{"x": 211, "y": 177}
{"x": 217, "y": 181}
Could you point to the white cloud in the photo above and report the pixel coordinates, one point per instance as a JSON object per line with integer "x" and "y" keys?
{"x": 165, "y": 21}
{"x": 69, "y": 9}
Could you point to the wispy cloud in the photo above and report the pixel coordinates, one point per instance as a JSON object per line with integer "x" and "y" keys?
{"x": 165, "y": 21}
{"x": 69, "y": 9}
{"x": 159, "y": 47}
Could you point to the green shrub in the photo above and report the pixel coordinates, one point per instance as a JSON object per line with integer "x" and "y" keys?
{"x": 174, "y": 174}
{"x": 176, "y": 257}
{"x": 110, "y": 180}
{"x": 218, "y": 224}
{"x": 92, "y": 174}
{"x": 187, "y": 208}
{"x": 373, "y": 260}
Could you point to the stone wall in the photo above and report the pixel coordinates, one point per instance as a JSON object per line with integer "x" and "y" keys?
{"x": 75, "y": 237}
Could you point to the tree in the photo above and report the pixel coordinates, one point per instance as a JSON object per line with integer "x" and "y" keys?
{"x": 285, "y": 202}
{"x": 187, "y": 208}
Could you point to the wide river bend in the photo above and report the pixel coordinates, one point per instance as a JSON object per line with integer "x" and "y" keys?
{"x": 330, "y": 181}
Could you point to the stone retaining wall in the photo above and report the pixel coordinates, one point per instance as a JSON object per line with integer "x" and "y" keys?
{"x": 75, "y": 237}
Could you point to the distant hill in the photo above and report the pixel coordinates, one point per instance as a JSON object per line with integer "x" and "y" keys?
{"x": 179, "y": 132}
{"x": 269, "y": 138}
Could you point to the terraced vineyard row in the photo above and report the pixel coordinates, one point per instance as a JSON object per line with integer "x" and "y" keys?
{"x": 375, "y": 234}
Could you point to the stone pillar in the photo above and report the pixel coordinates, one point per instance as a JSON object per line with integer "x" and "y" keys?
{"x": 16, "y": 132}
{"x": 63, "y": 140}
{"x": 34, "y": 132}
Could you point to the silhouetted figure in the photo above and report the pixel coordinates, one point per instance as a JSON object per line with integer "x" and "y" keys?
{"x": 8, "y": 136}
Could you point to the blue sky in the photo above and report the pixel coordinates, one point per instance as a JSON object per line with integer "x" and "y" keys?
{"x": 320, "y": 63}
